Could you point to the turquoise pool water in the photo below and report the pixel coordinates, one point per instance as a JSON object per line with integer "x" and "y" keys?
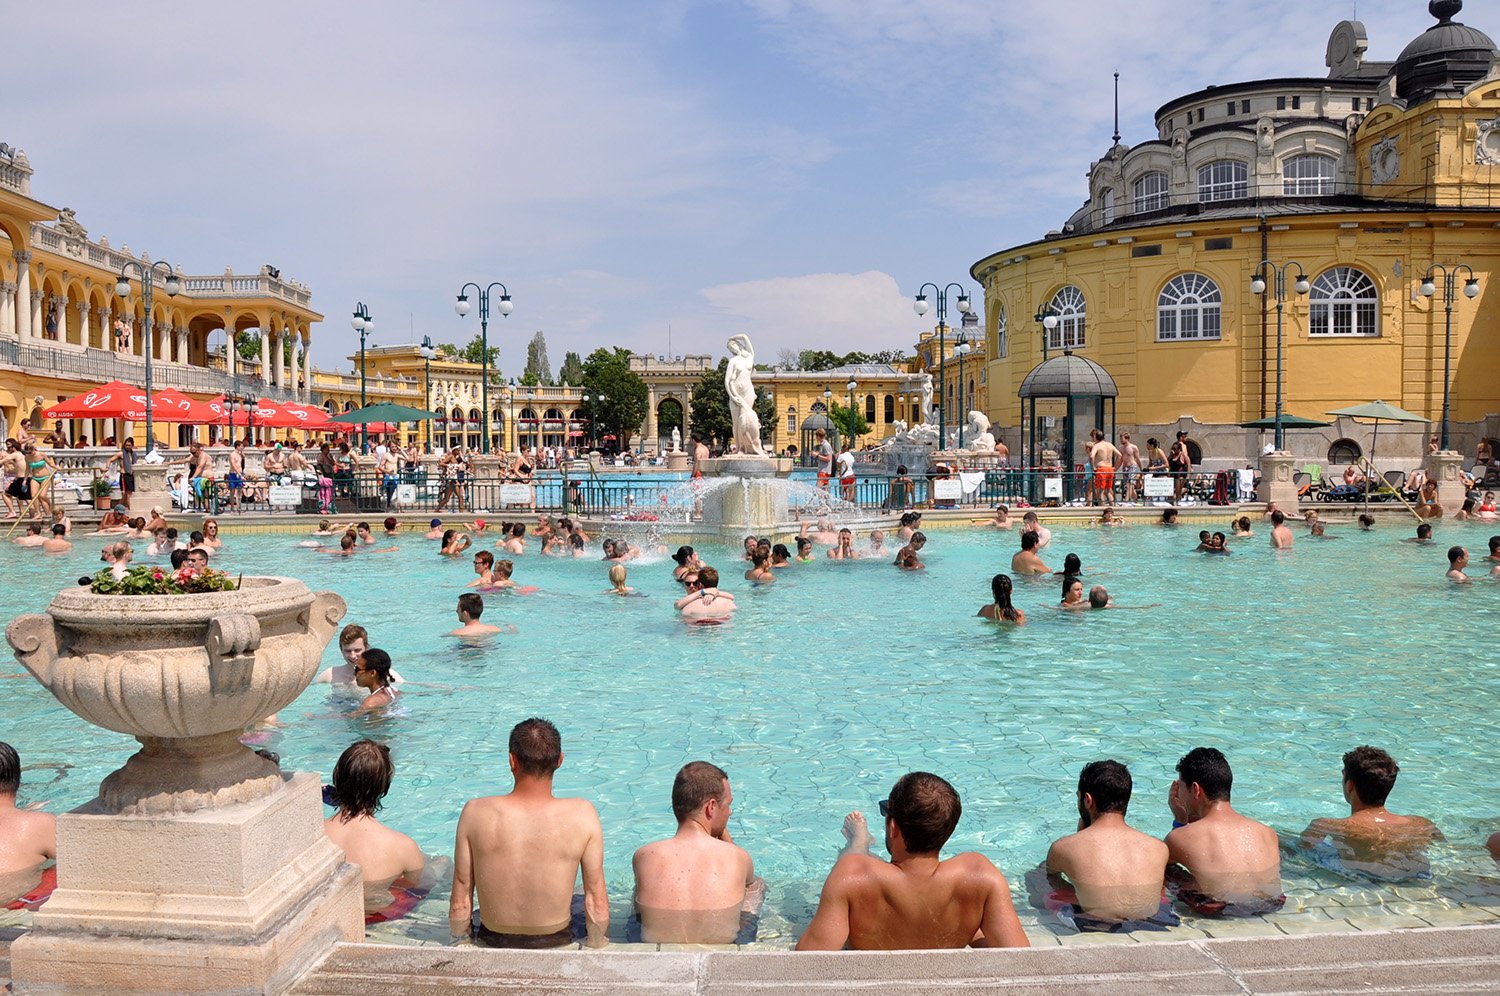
{"x": 841, "y": 676}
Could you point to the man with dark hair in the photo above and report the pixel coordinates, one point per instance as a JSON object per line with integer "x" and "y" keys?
{"x": 361, "y": 779}
{"x": 699, "y": 886}
{"x": 522, "y": 852}
{"x": 470, "y": 608}
{"x": 1281, "y": 536}
{"x": 1372, "y": 840}
{"x": 1026, "y": 560}
{"x": 27, "y": 840}
{"x": 917, "y": 900}
{"x": 1458, "y": 559}
{"x": 1116, "y": 871}
{"x": 1226, "y": 864}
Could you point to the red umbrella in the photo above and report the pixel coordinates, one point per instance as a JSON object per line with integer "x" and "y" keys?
{"x": 113, "y": 400}
{"x": 172, "y": 405}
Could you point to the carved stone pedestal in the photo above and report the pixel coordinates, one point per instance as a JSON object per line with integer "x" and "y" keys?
{"x": 1276, "y": 481}
{"x": 1443, "y": 467}
{"x": 150, "y": 488}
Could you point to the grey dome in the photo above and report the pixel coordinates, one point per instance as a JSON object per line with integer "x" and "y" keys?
{"x": 1069, "y": 376}
{"x": 1444, "y": 59}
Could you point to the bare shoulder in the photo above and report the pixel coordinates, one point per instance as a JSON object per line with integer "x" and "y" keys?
{"x": 975, "y": 867}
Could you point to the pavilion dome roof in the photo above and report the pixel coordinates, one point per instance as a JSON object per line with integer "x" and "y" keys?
{"x": 1068, "y": 376}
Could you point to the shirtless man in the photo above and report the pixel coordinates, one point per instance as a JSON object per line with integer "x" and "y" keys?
{"x": 823, "y": 451}
{"x": 236, "y": 475}
{"x": 484, "y": 569}
{"x": 27, "y": 840}
{"x": 1373, "y": 840}
{"x": 1130, "y": 466}
{"x": 33, "y": 536}
{"x": 1104, "y": 456}
{"x": 917, "y": 900}
{"x": 1026, "y": 560}
{"x": 274, "y": 463}
{"x": 361, "y": 779}
{"x": 353, "y": 642}
{"x": 1031, "y": 524}
{"x": 58, "y": 541}
{"x": 522, "y": 853}
{"x": 845, "y": 549}
{"x": 1225, "y": 863}
{"x": 1458, "y": 559}
{"x": 824, "y": 535}
{"x": 17, "y": 492}
{"x": 704, "y": 600}
{"x": 1116, "y": 871}
{"x": 693, "y": 887}
{"x": 470, "y": 608}
{"x": 1281, "y": 534}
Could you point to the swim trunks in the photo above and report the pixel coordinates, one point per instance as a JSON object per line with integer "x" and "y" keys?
{"x": 1104, "y": 479}
{"x": 576, "y": 930}
{"x": 235, "y": 481}
{"x": 749, "y": 928}
{"x": 1064, "y": 902}
{"x": 1206, "y": 905}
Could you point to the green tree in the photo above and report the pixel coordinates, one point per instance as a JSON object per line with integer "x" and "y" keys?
{"x": 472, "y": 353}
{"x": 571, "y": 371}
{"x": 247, "y": 344}
{"x": 538, "y": 366}
{"x": 850, "y": 423}
{"x": 818, "y": 359}
{"x": 710, "y": 403}
{"x": 607, "y": 372}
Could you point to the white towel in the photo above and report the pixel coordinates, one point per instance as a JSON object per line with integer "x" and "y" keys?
{"x": 1247, "y": 482}
{"x": 971, "y": 482}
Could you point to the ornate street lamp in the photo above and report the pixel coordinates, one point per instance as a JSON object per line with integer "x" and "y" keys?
{"x": 147, "y": 273}
{"x": 1258, "y": 286}
{"x": 364, "y": 325}
{"x": 1471, "y": 291}
{"x": 427, "y": 354}
{"x": 920, "y": 306}
{"x": 505, "y": 307}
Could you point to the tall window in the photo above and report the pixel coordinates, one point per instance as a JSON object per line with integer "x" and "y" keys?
{"x": 1071, "y": 311}
{"x": 1107, "y": 206}
{"x": 791, "y": 419}
{"x": 1308, "y": 176}
{"x": 1150, "y": 192}
{"x": 870, "y": 408}
{"x": 1344, "y": 302}
{"x": 1223, "y": 180}
{"x": 1001, "y": 348}
{"x": 890, "y": 408}
{"x": 1189, "y": 307}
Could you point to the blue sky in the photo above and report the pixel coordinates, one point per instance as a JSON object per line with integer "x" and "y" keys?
{"x": 793, "y": 169}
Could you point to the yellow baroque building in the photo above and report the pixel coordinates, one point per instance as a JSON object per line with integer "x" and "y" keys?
{"x": 1360, "y": 180}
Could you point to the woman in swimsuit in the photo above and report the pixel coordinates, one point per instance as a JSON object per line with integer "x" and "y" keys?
{"x": 211, "y": 534}
{"x": 373, "y": 673}
{"x": 41, "y": 468}
{"x": 1000, "y": 610}
{"x": 1072, "y": 593}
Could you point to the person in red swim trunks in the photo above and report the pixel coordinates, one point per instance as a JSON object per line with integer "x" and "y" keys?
{"x": 27, "y": 840}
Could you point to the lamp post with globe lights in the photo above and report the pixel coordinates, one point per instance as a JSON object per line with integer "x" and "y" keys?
{"x": 428, "y": 352}
{"x": 505, "y": 307}
{"x": 1258, "y": 286}
{"x": 1047, "y": 319}
{"x": 853, "y": 439}
{"x": 920, "y": 306}
{"x": 364, "y": 325}
{"x": 147, "y": 273}
{"x": 961, "y": 350}
{"x": 1471, "y": 291}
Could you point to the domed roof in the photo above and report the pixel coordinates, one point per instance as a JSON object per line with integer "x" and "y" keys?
{"x": 1445, "y": 58}
{"x": 1068, "y": 376}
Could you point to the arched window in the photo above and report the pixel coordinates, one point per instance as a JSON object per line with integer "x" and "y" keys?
{"x": 1344, "y": 302}
{"x": 1001, "y": 347}
{"x": 1308, "y": 175}
{"x": 1188, "y": 308}
{"x": 1107, "y": 206}
{"x": 818, "y": 408}
{"x": 971, "y": 391}
{"x": 1343, "y": 451}
{"x": 1149, "y": 193}
{"x": 1195, "y": 452}
{"x": 1223, "y": 180}
{"x": 890, "y": 408}
{"x": 791, "y": 419}
{"x": 870, "y": 408}
{"x": 1071, "y": 311}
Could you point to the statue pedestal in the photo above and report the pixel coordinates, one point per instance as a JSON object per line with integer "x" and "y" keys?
{"x": 150, "y": 488}
{"x": 751, "y": 502}
{"x": 1276, "y": 481}
{"x": 1444, "y": 467}
{"x": 237, "y": 899}
{"x": 677, "y": 461}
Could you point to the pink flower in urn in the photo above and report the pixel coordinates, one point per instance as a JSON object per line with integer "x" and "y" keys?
{"x": 157, "y": 575}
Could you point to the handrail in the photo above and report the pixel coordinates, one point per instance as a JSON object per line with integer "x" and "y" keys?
{"x": 1373, "y": 473}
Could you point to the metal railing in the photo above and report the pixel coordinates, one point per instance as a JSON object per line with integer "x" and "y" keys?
{"x": 102, "y": 365}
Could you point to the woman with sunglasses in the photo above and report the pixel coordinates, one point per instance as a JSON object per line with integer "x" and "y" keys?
{"x": 373, "y": 674}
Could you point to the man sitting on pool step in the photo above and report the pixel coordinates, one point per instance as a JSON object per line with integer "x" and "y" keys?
{"x": 1224, "y": 864}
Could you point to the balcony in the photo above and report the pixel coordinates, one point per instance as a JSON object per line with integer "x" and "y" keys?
{"x": 102, "y": 365}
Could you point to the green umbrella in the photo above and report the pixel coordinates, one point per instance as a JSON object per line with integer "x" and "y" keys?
{"x": 383, "y": 412}
{"x": 1287, "y": 422}
{"x": 1376, "y": 411}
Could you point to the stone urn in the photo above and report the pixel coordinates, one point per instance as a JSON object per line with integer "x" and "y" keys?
{"x": 201, "y": 866}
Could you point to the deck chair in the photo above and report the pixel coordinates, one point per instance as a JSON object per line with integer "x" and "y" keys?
{"x": 1396, "y": 479}
{"x": 1304, "y": 482}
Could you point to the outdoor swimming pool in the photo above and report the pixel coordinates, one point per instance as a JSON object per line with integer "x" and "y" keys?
{"x": 842, "y": 676}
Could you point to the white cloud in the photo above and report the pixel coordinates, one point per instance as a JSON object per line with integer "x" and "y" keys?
{"x": 838, "y": 311}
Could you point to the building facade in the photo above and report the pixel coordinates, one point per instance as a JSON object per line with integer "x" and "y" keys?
{"x": 1360, "y": 181}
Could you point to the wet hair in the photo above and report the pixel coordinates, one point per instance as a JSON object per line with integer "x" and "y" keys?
{"x": 1366, "y": 520}
{"x": 1098, "y": 597}
{"x": 1168, "y": 516}
{"x": 171, "y": 533}
{"x": 683, "y": 554}
{"x": 803, "y": 543}
{"x": 759, "y": 558}
{"x": 58, "y": 529}
{"x": 196, "y": 537}
{"x": 350, "y": 633}
{"x": 1372, "y": 771}
{"x": 505, "y": 568}
{"x": 361, "y": 778}
{"x": 448, "y": 536}
{"x": 1000, "y": 588}
{"x": 346, "y": 541}
{"x": 1029, "y": 517}
{"x": 179, "y": 557}
{"x": 780, "y": 550}
{"x": 537, "y": 747}
{"x": 1204, "y": 536}
{"x": 10, "y": 769}
{"x": 1243, "y": 523}
{"x": 1424, "y": 531}
{"x": 518, "y": 530}
{"x": 1454, "y": 552}
{"x": 390, "y": 523}
{"x": 1072, "y": 564}
{"x": 378, "y": 661}
{"x": 918, "y": 538}
{"x": 1494, "y": 544}
{"x": 363, "y": 525}
{"x": 1209, "y": 769}
{"x": 708, "y": 577}
{"x": 1069, "y": 580}
{"x": 1029, "y": 541}
{"x": 485, "y": 557}
{"x": 1109, "y": 783}
{"x": 908, "y": 518}
{"x": 695, "y": 784}
{"x": 607, "y": 547}
{"x": 1277, "y": 518}
{"x": 471, "y": 603}
{"x": 617, "y": 574}
{"x": 575, "y": 541}
{"x": 925, "y": 808}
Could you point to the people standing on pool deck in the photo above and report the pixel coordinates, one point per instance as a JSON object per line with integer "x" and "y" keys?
{"x": 1373, "y": 840}
{"x": 28, "y": 840}
{"x": 1458, "y": 559}
{"x": 1224, "y": 863}
{"x": 1001, "y": 609}
{"x": 1116, "y": 871}
{"x": 1180, "y": 463}
{"x": 522, "y": 852}
{"x": 1130, "y": 466}
{"x": 1026, "y": 560}
{"x": 693, "y": 887}
{"x": 361, "y": 779}
{"x": 1104, "y": 456}
{"x": 470, "y": 608}
{"x": 704, "y": 600}
{"x": 917, "y": 899}
{"x": 1281, "y": 534}
{"x": 824, "y": 453}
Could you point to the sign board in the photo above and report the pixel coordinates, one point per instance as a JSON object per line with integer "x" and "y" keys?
{"x": 949, "y": 489}
{"x": 515, "y": 494}
{"x": 406, "y": 494}
{"x": 1158, "y": 486}
{"x": 1052, "y": 487}
{"x": 286, "y": 494}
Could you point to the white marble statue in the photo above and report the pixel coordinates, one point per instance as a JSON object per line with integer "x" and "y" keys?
{"x": 741, "y": 390}
{"x": 977, "y": 434}
{"x": 676, "y": 440}
{"x": 926, "y": 399}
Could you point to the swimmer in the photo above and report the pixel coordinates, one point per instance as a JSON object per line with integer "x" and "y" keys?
{"x": 704, "y": 600}
{"x": 687, "y": 560}
{"x": 1108, "y": 518}
{"x": 1281, "y": 536}
{"x": 1220, "y": 543}
{"x": 470, "y": 608}
{"x": 824, "y": 534}
{"x": 211, "y": 534}
{"x": 1424, "y": 534}
{"x": 1072, "y": 564}
{"x": 120, "y": 557}
{"x": 363, "y": 535}
{"x": 484, "y": 568}
{"x": 781, "y": 556}
{"x": 906, "y": 557}
{"x": 1487, "y": 507}
{"x": 575, "y": 545}
{"x": 33, "y": 536}
{"x": 361, "y": 779}
{"x": 373, "y": 674}
{"x": 30, "y": 839}
{"x": 1169, "y": 517}
{"x": 1031, "y": 524}
{"x": 617, "y": 581}
{"x": 1372, "y": 839}
{"x": 804, "y": 550}
{"x": 1001, "y": 609}
{"x": 1458, "y": 559}
{"x": 909, "y": 523}
{"x": 1205, "y": 542}
{"x": 1221, "y": 859}
{"x": 1072, "y": 594}
{"x": 516, "y": 542}
{"x": 1117, "y": 871}
{"x": 1026, "y": 561}
{"x": 1001, "y": 519}
{"x": 1320, "y": 530}
{"x": 346, "y": 547}
{"x": 353, "y": 642}
{"x": 392, "y": 527}
{"x": 1241, "y": 527}
{"x": 1366, "y": 522}
{"x": 325, "y": 528}
{"x": 750, "y": 544}
{"x": 58, "y": 541}
{"x": 454, "y": 543}
{"x": 619, "y": 551}
{"x": 502, "y": 581}
{"x": 1271, "y": 509}
{"x": 760, "y": 568}
{"x": 845, "y": 549}
{"x": 435, "y": 529}
{"x": 877, "y": 543}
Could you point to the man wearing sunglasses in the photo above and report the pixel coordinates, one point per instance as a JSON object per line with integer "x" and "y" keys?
{"x": 917, "y": 899}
